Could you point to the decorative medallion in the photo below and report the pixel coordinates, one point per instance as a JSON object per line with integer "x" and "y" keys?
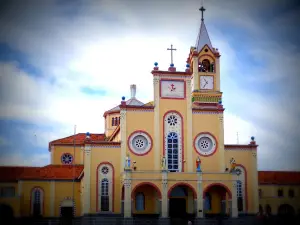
{"x": 66, "y": 158}
{"x": 205, "y": 144}
{"x": 172, "y": 89}
{"x": 140, "y": 143}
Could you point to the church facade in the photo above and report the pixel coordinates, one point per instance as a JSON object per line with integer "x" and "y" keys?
{"x": 166, "y": 157}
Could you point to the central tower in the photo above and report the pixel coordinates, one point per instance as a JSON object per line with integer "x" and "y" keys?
{"x": 205, "y": 66}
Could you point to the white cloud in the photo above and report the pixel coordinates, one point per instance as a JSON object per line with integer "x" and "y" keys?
{"x": 18, "y": 159}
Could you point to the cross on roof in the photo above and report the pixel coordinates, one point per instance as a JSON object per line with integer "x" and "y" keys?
{"x": 172, "y": 49}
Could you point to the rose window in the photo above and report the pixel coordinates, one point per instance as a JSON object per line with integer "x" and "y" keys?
{"x": 139, "y": 143}
{"x": 205, "y": 144}
{"x": 104, "y": 170}
{"x": 67, "y": 158}
{"x": 172, "y": 120}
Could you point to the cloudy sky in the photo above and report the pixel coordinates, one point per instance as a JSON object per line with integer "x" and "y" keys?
{"x": 66, "y": 62}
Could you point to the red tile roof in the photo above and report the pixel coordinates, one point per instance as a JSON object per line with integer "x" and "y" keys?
{"x": 279, "y": 177}
{"x": 79, "y": 139}
{"x": 57, "y": 172}
{"x": 11, "y": 173}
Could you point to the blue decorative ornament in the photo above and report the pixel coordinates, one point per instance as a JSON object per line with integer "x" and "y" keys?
{"x": 220, "y": 102}
{"x": 123, "y": 98}
{"x": 187, "y": 65}
{"x": 172, "y": 64}
{"x": 87, "y": 133}
{"x": 155, "y": 64}
{"x": 252, "y": 138}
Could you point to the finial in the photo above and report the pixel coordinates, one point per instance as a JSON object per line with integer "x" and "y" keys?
{"x": 187, "y": 65}
{"x": 252, "y": 138}
{"x": 202, "y": 9}
{"x": 171, "y": 49}
{"x": 87, "y": 135}
{"x": 123, "y": 98}
{"x": 133, "y": 90}
{"x": 156, "y": 64}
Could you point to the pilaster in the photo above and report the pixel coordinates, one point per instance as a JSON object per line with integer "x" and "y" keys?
{"x": 123, "y": 138}
{"x": 127, "y": 194}
{"x": 218, "y": 78}
{"x": 200, "y": 211}
{"x": 234, "y": 209}
{"x": 157, "y": 124}
{"x": 221, "y": 143}
{"x": 20, "y": 190}
{"x": 254, "y": 180}
{"x": 195, "y": 73}
{"x": 164, "y": 197}
{"x": 189, "y": 128}
{"x": 52, "y": 198}
{"x": 87, "y": 179}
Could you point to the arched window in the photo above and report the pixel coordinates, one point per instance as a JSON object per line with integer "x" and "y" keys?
{"x": 139, "y": 202}
{"x": 173, "y": 137}
{"x": 239, "y": 189}
{"x": 113, "y": 121}
{"x": 172, "y": 151}
{"x": 104, "y": 195}
{"x": 37, "y": 197}
{"x": 105, "y": 192}
{"x": 207, "y": 202}
{"x": 241, "y": 203}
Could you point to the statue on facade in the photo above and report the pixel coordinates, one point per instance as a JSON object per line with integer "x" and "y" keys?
{"x": 198, "y": 164}
{"x": 163, "y": 163}
{"x": 127, "y": 161}
{"x": 233, "y": 165}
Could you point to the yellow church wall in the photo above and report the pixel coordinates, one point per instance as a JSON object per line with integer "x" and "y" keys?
{"x": 141, "y": 121}
{"x": 27, "y": 187}
{"x": 269, "y": 197}
{"x": 101, "y": 154}
{"x": 206, "y": 123}
{"x": 64, "y": 190}
{"x": 246, "y": 159}
{"x": 59, "y": 150}
{"x": 13, "y": 202}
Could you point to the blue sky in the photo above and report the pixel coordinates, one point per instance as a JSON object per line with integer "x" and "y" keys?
{"x": 66, "y": 63}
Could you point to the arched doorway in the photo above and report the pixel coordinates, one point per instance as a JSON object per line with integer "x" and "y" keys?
{"x": 216, "y": 198}
{"x": 286, "y": 210}
{"x": 182, "y": 198}
{"x": 146, "y": 200}
{"x": 67, "y": 208}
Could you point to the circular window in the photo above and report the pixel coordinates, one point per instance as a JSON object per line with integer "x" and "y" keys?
{"x": 172, "y": 120}
{"x": 67, "y": 158}
{"x": 105, "y": 170}
{"x": 205, "y": 144}
{"x": 140, "y": 143}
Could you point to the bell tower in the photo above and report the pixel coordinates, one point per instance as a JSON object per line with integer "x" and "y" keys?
{"x": 204, "y": 61}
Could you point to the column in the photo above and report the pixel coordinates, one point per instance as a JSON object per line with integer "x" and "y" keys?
{"x": 189, "y": 128}
{"x": 234, "y": 209}
{"x": 164, "y": 197}
{"x": 200, "y": 213}
{"x": 52, "y": 198}
{"x": 217, "y": 69}
{"x": 127, "y": 193}
{"x": 87, "y": 179}
{"x": 157, "y": 124}
{"x": 221, "y": 143}
{"x": 20, "y": 187}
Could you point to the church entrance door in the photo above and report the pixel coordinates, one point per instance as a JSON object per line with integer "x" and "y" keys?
{"x": 177, "y": 207}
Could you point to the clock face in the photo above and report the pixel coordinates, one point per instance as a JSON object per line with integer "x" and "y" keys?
{"x": 206, "y": 82}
